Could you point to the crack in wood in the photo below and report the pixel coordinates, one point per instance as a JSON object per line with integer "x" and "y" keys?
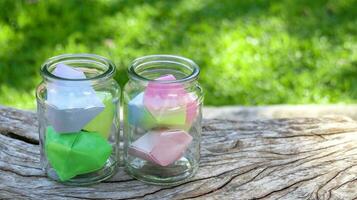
{"x": 232, "y": 178}
{"x": 20, "y": 137}
{"x": 286, "y": 187}
{"x": 228, "y": 182}
{"x": 118, "y": 181}
{"x": 302, "y": 152}
{"x": 283, "y": 164}
{"x": 332, "y": 178}
{"x": 339, "y": 186}
{"x": 19, "y": 174}
{"x": 75, "y": 197}
{"x": 14, "y": 195}
{"x": 293, "y": 190}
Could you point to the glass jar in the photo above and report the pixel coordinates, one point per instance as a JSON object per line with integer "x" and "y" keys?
{"x": 162, "y": 119}
{"x": 78, "y": 113}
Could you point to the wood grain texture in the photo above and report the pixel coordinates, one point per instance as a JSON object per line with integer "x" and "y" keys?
{"x": 301, "y": 158}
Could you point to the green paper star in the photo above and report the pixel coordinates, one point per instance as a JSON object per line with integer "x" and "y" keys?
{"x": 72, "y": 154}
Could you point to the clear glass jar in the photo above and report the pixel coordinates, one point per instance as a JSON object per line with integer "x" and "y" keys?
{"x": 78, "y": 113}
{"x": 162, "y": 119}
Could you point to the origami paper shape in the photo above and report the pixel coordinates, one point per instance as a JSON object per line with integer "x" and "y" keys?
{"x": 70, "y": 120}
{"x": 170, "y": 104}
{"x": 76, "y": 153}
{"x": 65, "y": 71}
{"x": 138, "y": 115}
{"x": 103, "y": 122}
{"x": 161, "y": 147}
{"x": 72, "y": 104}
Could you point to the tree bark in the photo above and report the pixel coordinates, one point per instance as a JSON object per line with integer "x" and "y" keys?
{"x": 299, "y": 158}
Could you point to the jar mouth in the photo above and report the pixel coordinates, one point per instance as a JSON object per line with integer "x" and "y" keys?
{"x": 102, "y": 67}
{"x": 141, "y": 68}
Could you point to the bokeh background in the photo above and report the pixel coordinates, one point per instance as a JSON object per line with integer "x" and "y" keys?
{"x": 251, "y": 52}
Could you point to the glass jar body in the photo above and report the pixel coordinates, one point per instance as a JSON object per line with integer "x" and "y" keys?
{"x": 78, "y": 119}
{"x": 162, "y": 122}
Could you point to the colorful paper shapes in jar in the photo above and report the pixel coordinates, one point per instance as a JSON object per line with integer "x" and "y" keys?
{"x": 162, "y": 119}
{"x": 77, "y": 111}
{"x": 72, "y": 104}
{"x": 163, "y": 105}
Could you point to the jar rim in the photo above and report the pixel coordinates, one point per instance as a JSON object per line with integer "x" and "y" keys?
{"x": 156, "y": 58}
{"x": 92, "y": 58}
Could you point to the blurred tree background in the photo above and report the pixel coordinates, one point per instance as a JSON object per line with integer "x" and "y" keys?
{"x": 251, "y": 52}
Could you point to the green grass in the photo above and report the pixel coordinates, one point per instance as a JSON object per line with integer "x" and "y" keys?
{"x": 250, "y": 52}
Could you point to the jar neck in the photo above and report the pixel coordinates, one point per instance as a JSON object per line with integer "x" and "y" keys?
{"x": 94, "y": 67}
{"x": 154, "y": 67}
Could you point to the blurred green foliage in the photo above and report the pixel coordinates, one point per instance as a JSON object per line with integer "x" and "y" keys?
{"x": 251, "y": 52}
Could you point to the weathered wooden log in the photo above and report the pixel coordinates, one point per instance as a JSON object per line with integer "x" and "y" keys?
{"x": 279, "y": 111}
{"x": 300, "y": 158}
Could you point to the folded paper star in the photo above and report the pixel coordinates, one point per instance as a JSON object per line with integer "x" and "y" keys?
{"x": 170, "y": 104}
{"x": 72, "y": 104}
{"x": 161, "y": 147}
{"x": 76, "y": 153}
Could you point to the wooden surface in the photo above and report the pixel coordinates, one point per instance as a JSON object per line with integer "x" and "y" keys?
{"x": 279, "y": 111}
{"x": 300, "y": 158}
